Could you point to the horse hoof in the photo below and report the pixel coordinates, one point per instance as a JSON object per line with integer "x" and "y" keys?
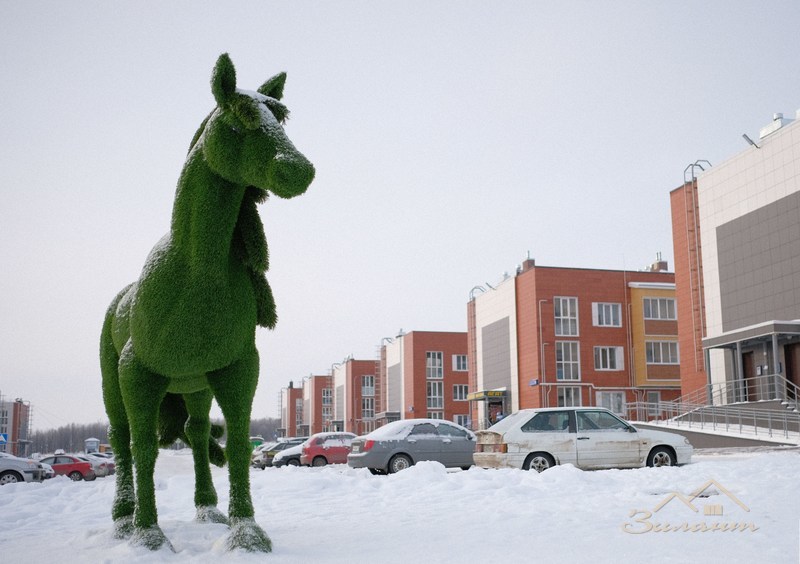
{"x": 210, "y": 514}
{"x": 150, "y": 537}
{"x": 123, "y": 527}
{"x": 247, "y": 535}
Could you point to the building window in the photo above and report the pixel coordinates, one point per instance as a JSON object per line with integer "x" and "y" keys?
{"x": 460, "y": 392}
{"x": 460, "y": 363}
{"x": 368, "y": 385}
{"x": 606, "y": 315}
{"x": 614, "y": 401}
{"x": 327, "y": 413}
{"x": 327, "y": 396}
{"x": 462, "y": 420}
{"x": 435, "y": 415}
{"x": 653, "y": 401}
{"x": 659, "y": 308}
{"x": 434, "y": 365}
{"x": 662, "y": 352}
{"x": 569, "y": 396}
{"x": 435, "y": 394}
{"x": 368, "y": 408}
{"x": 566, "y": 316}
{"x": 608, "y": 358}
{"x": 568, "y": 365}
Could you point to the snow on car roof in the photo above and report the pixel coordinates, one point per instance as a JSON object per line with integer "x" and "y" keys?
{"x": 397, "y": 430}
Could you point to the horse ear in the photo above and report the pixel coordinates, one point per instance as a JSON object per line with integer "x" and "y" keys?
{"x": 274, "y": 86}
{"x": 223, "y": 80}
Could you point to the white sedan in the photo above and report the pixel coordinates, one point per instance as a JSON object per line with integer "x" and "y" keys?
{"x": 587, "y": 437}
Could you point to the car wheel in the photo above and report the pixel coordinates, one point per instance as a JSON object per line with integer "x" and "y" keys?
{"x": 539, "y": 461}
{"x": 293, "y": 462}
{"x": 319, "y": 461}
{"x": 9, "y": 477}
{"x": 399, "y": 462}
{"x": 661, "y": 456}
{"x": 376, "y": 472}
{"x": 92, "y": 479}
{"x": 75, "y": 476}
{"x": 465, "y": 468}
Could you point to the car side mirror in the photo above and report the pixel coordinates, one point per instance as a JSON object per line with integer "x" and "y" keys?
{"x": 631, "y": 429}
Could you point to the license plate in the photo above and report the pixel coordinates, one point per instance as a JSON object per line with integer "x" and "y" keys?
{"x": 356, "y": 448}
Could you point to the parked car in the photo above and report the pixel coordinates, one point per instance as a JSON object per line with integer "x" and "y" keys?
{"x": 48, "y": 471}
{"x": 288, "y": 457}
{"x": 401, "y": 444}
{"x": 97, "y": 458}
{"x": 588, "y": 437}
{"x": 326, "y": 448}
{"x": 263, "y": 454}
{"x": 71, "y": 466}
{"x": 15, "y": 469}
{"x": 99, "y": 465}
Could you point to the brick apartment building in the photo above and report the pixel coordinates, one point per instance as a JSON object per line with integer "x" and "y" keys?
{"x": 15, "y": 426}
{"x": 291, "y": 411}
{"x": 554, "y": 336}
{"x": 424, "y": 374}
{"x": 317, "y": 405}
{"x": 354, "y": 396}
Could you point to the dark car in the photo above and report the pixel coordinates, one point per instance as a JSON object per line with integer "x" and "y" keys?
{"x": 263, "y": 457}
{"x": 71, "y": 466}
{"x": 401, "y": 444}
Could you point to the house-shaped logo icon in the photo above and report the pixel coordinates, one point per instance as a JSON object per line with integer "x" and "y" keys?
{"x": 690, "y": 501}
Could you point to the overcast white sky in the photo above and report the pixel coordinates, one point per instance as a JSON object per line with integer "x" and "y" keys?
{"x": 450, "y": 139}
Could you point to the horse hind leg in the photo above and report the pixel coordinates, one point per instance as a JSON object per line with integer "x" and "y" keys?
{"x": 118, "y": 435}
{"x": 198, "y": 433}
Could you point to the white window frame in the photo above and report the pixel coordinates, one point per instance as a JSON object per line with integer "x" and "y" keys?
{"x": 462, "y": 420}
{"x": 606, "y": 314}
{"x": 609, "y": 359}
{"x": 435, "y": 415}
{"x": 568, "y": 396}
{"x": 327, "y": 396}
{"x": 435, "y": 394}
{"x": 460, "y": 363}
{"x": 570, "y": 353}
{"x": 662, "y": 353}
{"x": 368, "y": 407}
{"x": 661, "y": 309}
{"x": 460, "y": 392}
{"x": 367, "y": 385}
{"x": 613, "y": 401}
{"x": 565, "y": 316}
{"x": 434, "y": 365}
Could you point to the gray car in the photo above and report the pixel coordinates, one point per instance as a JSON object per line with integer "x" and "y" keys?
{"x": 401, "y": 444}
{"x": 15, "y": 469}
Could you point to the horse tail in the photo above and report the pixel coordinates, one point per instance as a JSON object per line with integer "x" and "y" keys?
{"x": 172, "y": 417}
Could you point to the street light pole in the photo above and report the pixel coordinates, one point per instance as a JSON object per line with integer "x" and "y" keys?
{"x": 542, "y": 365}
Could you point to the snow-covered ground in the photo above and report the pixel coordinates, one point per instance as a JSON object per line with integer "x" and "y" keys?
{"x": 428, "y": 514}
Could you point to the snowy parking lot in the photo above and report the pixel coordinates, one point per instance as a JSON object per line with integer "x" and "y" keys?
{"x": 727, "y": 506}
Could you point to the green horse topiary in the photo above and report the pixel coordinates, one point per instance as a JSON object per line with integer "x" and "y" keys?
{"x": 184, "y": 333}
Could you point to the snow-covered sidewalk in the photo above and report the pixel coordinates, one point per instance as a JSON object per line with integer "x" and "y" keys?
{"x": 428, "y": 514}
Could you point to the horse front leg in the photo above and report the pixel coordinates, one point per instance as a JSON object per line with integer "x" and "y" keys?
{"x": 234, "y": 388}
{"x": 142, "y": 393}
{"x": 198, "y": 431}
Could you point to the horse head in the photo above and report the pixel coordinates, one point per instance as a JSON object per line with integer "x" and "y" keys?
{"x": 243, "y": 139}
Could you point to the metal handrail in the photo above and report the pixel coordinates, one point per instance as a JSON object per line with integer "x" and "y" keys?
{"x": 763, "y": 423}
{"x": 757, "y": 388}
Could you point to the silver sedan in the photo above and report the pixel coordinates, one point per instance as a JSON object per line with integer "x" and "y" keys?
{"x": 401, "y": 444}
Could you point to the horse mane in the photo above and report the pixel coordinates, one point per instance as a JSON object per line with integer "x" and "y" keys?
{"x": 250, "y": 247}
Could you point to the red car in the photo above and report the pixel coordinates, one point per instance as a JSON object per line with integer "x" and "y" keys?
{"x": 71, "y": 466}
{"x": 326, "y": 448}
